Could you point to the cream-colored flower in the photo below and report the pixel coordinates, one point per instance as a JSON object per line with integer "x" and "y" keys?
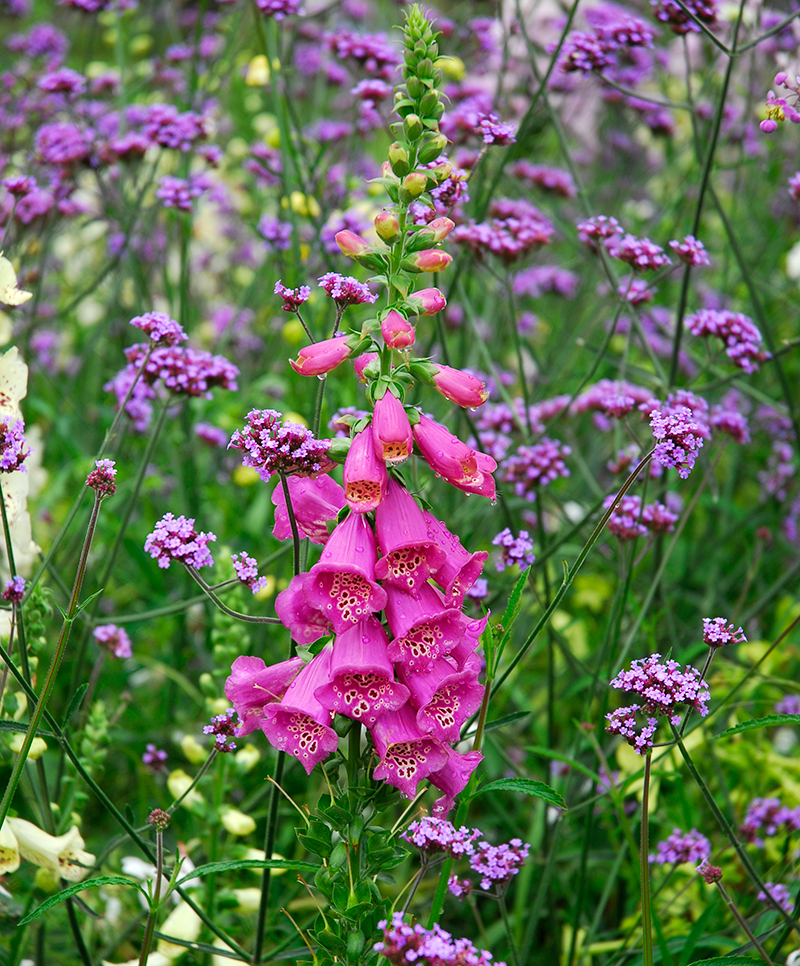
{"x": 182, "y": 923}
{"x": 38, "y": 746}
{"x": 178, "y": 782}
{"x": 9, "y": 850}
{"x": 237, "y": 823}
{"x": 63, "y": 854}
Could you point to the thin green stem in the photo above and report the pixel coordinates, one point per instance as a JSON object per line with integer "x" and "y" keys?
{"x": 644, "y": 867}
{"x": 287, "y": 496}
{"x": 740, "y": 919}
{"x": 512, "y": 946}
{"x": 269, "y": 847}
{"x": 155, "y": 900}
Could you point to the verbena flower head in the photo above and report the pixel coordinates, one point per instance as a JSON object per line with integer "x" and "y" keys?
{"x": 114, "y": 639}
{"x": 12, "y": 445}
{"x": 223, "y": 728}
{"x": 402, "y": 944}
{"x": 161, "y": 329}
{"x": 768, "y": 816}
{"x": 498, "y": 864}
{"x": 690, "y": 250}
{"x": 789, "y": 704}
{"x": 534, "y": 466}
{"x": 741, "y": 336}
{"x": 154, "y": 757}
{"x": 277, "y": 234}
{"x": 626, "y": 521}
{"x": 640, "y": 253}
{"x": 717, "y": 632}
{"x": 494, "y": 131}
{"x": 776, "y": 895}
{"x": 681, "y": 847}
{"x": 293, "y": 298}
{"x": 271, "y": 445}
{"x": 102, "y": 479}
{"x": 14, "y": 590}
{"x": 438, "y": 835}
{"x": 679, "y": 437}
{"x": 278, "y": 9}
{"x": 514, "y": 550}
{"x": 346, "y": 290}
{"x": 184, "y": 371}
{"x": 672, "y": 14}
{"x": 710, "y": 874}
{"x": 181, "y": 192}
{"x": 175, "y": 538}
{"x": 246, "y": 568}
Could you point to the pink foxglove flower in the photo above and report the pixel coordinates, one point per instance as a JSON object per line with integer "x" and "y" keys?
{"x": 407, "y": 754}
{"x": 352, "y": 244}
{"x": 423, "y": 627}
{"x": 306, "y": 623}
{"x": 441, "y": 228}
{"x": 462, "y": 467}
{"x": 362, "y": 684}
{"x": 391, "y": 430}
{"x": 460, "y": 569}
{"x": 452, "y": 779}
{"x": 342, "y": 582}
{"x": 314, "y": 501}
{"x": 427, "y": 301}
{"x": 365, "y": 476}
{"x": 252, "y": 686}
{"x": 321, "y": 357}
{"x": 473, "y": 628}
{"x": 397, "y": 331}
{"x": 298, "y": 724}
{"x": 444, "y": 696}
{"x": 462, "y": 388}
{"x": 410, "y": 556}
{"x": 430, "y": 260}
{"x": 361, "y": 363}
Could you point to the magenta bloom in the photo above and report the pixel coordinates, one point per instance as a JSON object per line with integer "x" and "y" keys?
{"x": 352, "y": 244}
{"x": 463, "y": 652}
{"x": 679, "y": 437}
{"x": 397, "y": 331}
{"x": 407, "y": 755}
{"x": 460, "y": 569}
{"x": 465, "y": 468}
{"x": 410, "y": 556}
{"x": 314, "y": 501}
{"x": 321, "y": 357}
{"x": 252, "y": 686}
{"x": 717, "y": 632}
{"x": 391, "y": 430}
{"x": 175, "y": 538}
{"x": 452, "y": 779}
{"x": 162, "y": 329}
{"x": 342, "y": 582}
{"x": 427, "y": 301}
{"x": 114, "y": 638}
{"x": 424, "y": 628}
{"x": 430, "y": 260}
{"x": 365, "y": 476}
{"x": 271, "y": 445}
{"x": 306, "y": 622}
{"x": 298, "y": 724}
{"x": 462, "y": 388}
{"x": 445, "y": 697}
{"x": 362, "y": 684}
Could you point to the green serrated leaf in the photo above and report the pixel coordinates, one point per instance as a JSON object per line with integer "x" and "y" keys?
{"x": 769, "y": 721}
{"x": 212, "y": 868}
{"x": 727, "y": 961}
{"x": 85, "y": 603}
{"x": 20, "y": 728}
{"x": 524, "y": 786}
{"x": 80, "y": 887}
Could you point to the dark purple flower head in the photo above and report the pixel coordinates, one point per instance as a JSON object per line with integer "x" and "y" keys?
{"x": 615, "y": 32}
{"x": 664, "y": 687}
{"x": 223, "y": 728}
{"x": 345, "y": 290}
{"x": 375, "y": 53}
{"x": 672, "y": 14}
{"x": 600, "y": 227}
{"x": 738, "y": 332}
{"x": 12, "y": 445}
{"x": 777, "y": 896}
{"x": 293, "y": 298}
{"x": 102, "y": 479}
{"x": 114, "y": 639}
{"x": 515, "y": 551}
{"x": 679, "y": 437}
{"x": 498, "y": 864}
{"x": 717, "y": 632}
{"x": 162, "y": 329}
{"x": 180, "y": 193}
{"x": 14, "y": 590}
{"x": 768, "y": 816}
{"x": 19, "y": 184}
{"x": 63, "y": 81}
{"x": 175, "y": 538}
{"x": 517, "y": 228}
{"x": 271, "y": 445}
{"x": 61, "y": 143}
{"x": 246, "y": 568}
{"x": 494, "y": 131}
{"x": 278, "y": 9}
{"x": 682, "y": 847}
{"x": 534, "y": 466}
{"x": 155, "y": 758}
{"x": 709, "y": 873}
{"x": 42, "y": 40}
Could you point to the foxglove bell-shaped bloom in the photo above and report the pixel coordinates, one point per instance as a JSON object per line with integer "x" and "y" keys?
{"x": 430, "y": 260}
{"x": 427, "y": 301}
{"x": 423, "y": 628}
{"x": 305, "y": 621}
{"x": 460, "y": 569}
{"x": 459, "y": 387}
{"x": 321, "y": 357}
{"x": 252, "y": 686}
{"x": 365, "y": 476}
{"x": 452, "y": 779}
{"x": 444, "y": 696}
{"x": 314, "y": 501}
{"x": 397, "y": 331}
{"x": 299, "y": 725}
{"x": 9, "y": 850}
{"x": 342, "y": 583}
{"x": 391, "y": 430}
{"x": 361, "y": 362}
{"x": 62, "y": 854}
{"x": 407, "y": 755}
{"x": 410, "y": 556}
{"x": 352, "y": 244}
{"x": 450, "y": 458}
{"x": 464, "y": 651}
{"x": 362, "y": 684}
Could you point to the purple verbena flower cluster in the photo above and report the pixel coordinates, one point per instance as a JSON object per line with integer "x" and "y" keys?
{"x": 277, "y": 235}
{"x": 555, "y": 180}
{"x": 690, "y": 250}
{"x": 12, "y": 445}
{"x": 516, "y": 229}
{"x": 494, "y": 131}
{"x": 742, "y": 338}
{"x": 640, "y": 253}
{"x": 182, "y": 370}
{"x": 223, "y": 727}
{"x": 346, "y": 290}
{"x": 533, "y": 466}
{"x": 175, "y": 538}
{"x": 246, "y": 568}
{"x": 788, "y": 704}
{"x": 181, "y": 192}
{"x": 679, "y": 437}
{"x": 717, "y": 632}
{"x": 630, "y": 519}
{"x": 776, "y": 896}
{"x": 676, "y": 18}
{"x": 435, "y": 835}
{"x": 293, "y": 298}
{"x": 515, "y": 551}
{"x": 402, "y": 944}
{"x": 103, "y": 477}
{"x": 14, "y": 590}
{"x": 498, "y": 864}
{"x": 114, "y": 639}
{"x": 155, "y": 758}
{"x": 681, "y": 847}
{"x": 272, "y": 445}
{"x": 161, "y": 329}
{"x": 768, "y": 816}
{"x": 279, "y": 9}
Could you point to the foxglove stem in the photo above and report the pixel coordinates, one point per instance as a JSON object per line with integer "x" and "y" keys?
{"x": 55, "y": 663}
{"x": 738, "y": 916}
{"x": 269, "y": 847}
{"x": 154, "y": 901}
{"x": 292, "y": 523}
{"x": 247, "y": 618}
{"x": 644, "y": 866}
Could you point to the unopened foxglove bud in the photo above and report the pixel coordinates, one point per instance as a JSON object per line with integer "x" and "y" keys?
{"x": 441, "y": 228}
{"x": 441, "y": 172}
{"x": 387, "y": 226}
{"x": 415, "y": 183}
{"x": 398, "y": 159}
{"x": 351, "y": 244}
{"x": 362, "y": 362}
{"x": 431, "y": 260}
{"x": 321, "y": 357}
{"x": 412, "y": 125}
{"x": 427, "y": 301}
{"x": 431, "y": 150}
{"x": 459, "y": 387}
{"x": 397, "y": 331}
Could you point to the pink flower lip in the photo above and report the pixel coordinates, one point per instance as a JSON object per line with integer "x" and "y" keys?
{"x": 410, "y": 556}
{"x": 252, "y": 686}
{"x": 391, "y": 431}
{"x": 365, "y": 476}
{"x": 428, "y": 300}
{"x": 407, "y": 755}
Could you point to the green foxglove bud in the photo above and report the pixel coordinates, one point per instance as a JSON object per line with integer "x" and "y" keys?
{"x": 432, "y": 148}
{"x": 416, "y": 182}
{"x": 412, "y": 126}
{"x": 398, "y": 159}
{"x": 387, "y": 226}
